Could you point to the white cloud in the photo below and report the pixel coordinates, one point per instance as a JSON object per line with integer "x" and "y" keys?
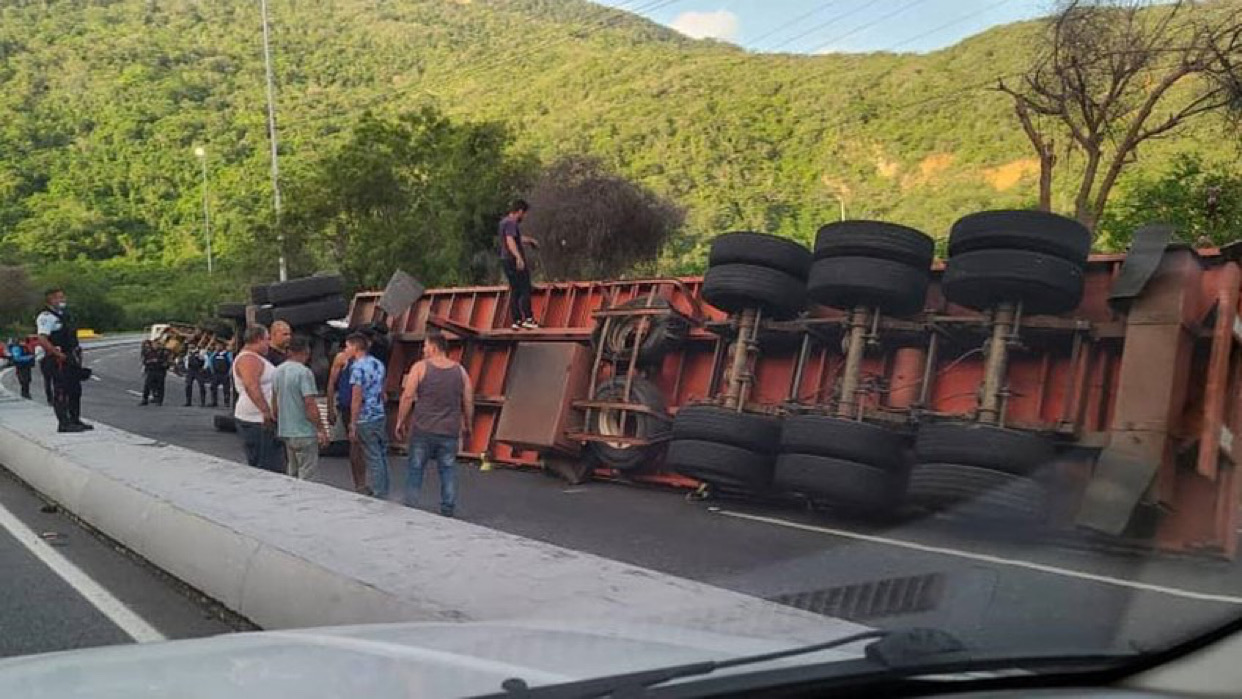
{"x": 720, "y": 24}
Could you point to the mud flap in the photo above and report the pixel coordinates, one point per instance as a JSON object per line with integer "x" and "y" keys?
{"x": 1121, "y": 479}
{"x": 401, "y": 293}
{"x": 1146, "y": 251}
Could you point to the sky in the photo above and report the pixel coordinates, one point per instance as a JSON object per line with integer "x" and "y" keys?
{"x": 827, "y": 26}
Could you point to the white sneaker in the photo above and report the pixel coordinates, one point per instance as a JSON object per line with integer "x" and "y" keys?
{"x": 530, "y": 325}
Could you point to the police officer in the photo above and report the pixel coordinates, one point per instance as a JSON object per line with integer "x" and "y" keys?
{"x": 58, "y": 336}
{"x": 154, "y": 372}
{"x": 195, "y": 371}
{"x": 220, "y": 365}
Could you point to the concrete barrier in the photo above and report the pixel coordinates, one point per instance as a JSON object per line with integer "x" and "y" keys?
{"x": 287, "y": 553}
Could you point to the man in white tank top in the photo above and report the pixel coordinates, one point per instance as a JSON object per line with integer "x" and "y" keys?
{"x": 256, "y": 423}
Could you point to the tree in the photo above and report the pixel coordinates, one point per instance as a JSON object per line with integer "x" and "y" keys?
{"x": 1111, "y": 75}
{"x": 19, "y": 297}
{"x": 593, "y": 224}
{"x": 419, "y": 193}
{"x": 88, "y": 292}
{"x": 1203, "y": 203}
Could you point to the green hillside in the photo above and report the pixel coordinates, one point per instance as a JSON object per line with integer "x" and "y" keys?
{"x": 102, "y": 102}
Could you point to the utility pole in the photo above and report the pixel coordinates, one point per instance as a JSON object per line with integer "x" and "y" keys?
{"x": 201, "y": 153}
{"x": 271, "y": 134}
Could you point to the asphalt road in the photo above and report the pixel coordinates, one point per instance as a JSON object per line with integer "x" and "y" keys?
{"x": 41, "y": 611}
{"x": 995, "y": 589}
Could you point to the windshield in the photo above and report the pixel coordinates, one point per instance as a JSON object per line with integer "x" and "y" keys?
{"x": 555, "y": 341}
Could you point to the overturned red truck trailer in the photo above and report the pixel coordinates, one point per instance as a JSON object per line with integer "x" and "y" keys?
{"x": 1134, "y": 393}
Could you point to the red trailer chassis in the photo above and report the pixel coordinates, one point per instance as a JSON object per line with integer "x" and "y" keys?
{"x": 1143, "y": 396}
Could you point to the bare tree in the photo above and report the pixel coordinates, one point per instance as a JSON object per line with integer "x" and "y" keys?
{"x": 1112, "y": 74}
{"x": 592, "y": 224}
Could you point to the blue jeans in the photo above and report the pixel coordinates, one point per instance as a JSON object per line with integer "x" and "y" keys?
{"x": 373, "y": 438}
{"x": 262, "y": 449}
{"x": 443, "y": 450}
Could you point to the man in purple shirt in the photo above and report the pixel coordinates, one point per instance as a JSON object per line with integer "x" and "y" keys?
{"x": 517, "y": 269}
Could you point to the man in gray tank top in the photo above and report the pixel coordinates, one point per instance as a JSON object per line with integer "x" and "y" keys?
{"x": 438, "y": 393}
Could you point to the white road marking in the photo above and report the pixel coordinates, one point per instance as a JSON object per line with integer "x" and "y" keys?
{"x": 95, "y": 378}
{"x": 996, "y": 560}
{"x": 132, "y": 392}
{"x": 111, "y": 607}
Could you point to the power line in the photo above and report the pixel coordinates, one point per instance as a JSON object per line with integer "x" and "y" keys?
{"x": 868, "y": 25}
{"x": 822, "y": 25}
{"x": 658, "y": 4}
{"x": 946, "y": 25}
{"x": 785, "y": 25}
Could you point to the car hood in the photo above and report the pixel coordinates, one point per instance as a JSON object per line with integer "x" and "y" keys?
{"x": 381, "y": 661}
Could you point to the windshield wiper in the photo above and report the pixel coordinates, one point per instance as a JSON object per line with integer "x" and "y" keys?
{"x": 635, "y": 682}
{"x": 906, "y": 653}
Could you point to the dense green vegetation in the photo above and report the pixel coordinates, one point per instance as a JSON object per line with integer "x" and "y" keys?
{"x": 103, "y": 101}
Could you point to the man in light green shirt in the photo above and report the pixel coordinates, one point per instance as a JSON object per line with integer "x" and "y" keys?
{"x": 297, "y": 415}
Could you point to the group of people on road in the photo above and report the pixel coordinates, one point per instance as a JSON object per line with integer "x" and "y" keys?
{"x": 278, "y": 417}
{"x": 276, "y": 410}
{"x": 209, "y": 368}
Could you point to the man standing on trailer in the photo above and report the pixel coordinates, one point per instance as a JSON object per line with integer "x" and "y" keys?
{"x": 517, "y": 266}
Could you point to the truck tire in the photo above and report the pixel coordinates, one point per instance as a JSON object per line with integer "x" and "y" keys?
{"x": 664, "y": 334}
{"x": 886, "y": 241}
{"x": 723, "y": 465}
{"x": 1044, "y": 284}
{"x": 836, "y": 481}
{"x": 220, "y": 328}
{"x": 1034, "y": 231}
{"x": 761, "y": 250}
{"x": 262, "y": 314}
{"x": 736, "y": 287}
{"x": 311, "y": 313}
{"x": 231, "y": 311}
{"x": 224, "y": 423}
{"x": 259, "y": 295}
{"x": 295, "y": 291}
{"x": 976, "y": 492}
{"x": 845, "y": 282}
{"x": 821, "y": 435}
{"x": 624, "y": 457}
{"x": 710, "y": 423}
{"x": 1006, "y": 450}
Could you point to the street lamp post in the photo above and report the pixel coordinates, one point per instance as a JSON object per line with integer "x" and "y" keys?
{"x": 201, "y": 154}
{"x": 271, "y": 133}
